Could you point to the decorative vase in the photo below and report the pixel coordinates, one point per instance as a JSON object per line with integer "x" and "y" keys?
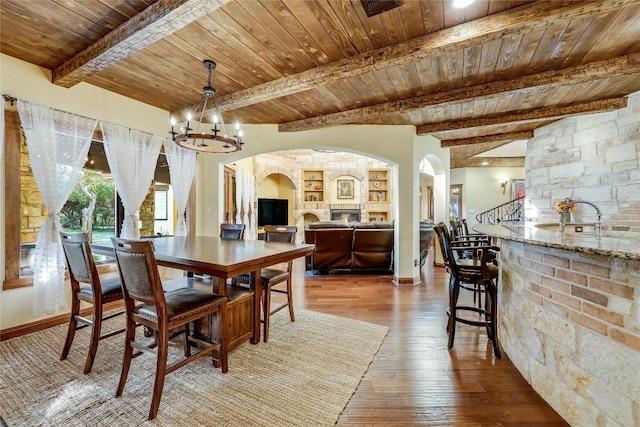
{"x": 566, "y": 217}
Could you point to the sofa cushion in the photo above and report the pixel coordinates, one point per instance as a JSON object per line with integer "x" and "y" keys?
{"x": 333, "y": 248}
{"x": 328, "y": 224}
{"x": 374, "y": 225}
{"x": 372, "y": 249}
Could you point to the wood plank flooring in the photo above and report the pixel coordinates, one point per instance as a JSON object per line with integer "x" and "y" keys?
{"x": 415, "y": 380}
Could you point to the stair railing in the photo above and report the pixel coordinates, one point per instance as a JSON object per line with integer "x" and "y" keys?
{"x": 511, "y": 211}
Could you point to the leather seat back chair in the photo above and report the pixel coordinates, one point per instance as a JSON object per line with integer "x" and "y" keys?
{"x": 147, "y": 304}
{"x": 273, "y": 276}
{"x": 232, "y": 231}
{"x": 98, "y": 292}
{"x": 473, "y": 274}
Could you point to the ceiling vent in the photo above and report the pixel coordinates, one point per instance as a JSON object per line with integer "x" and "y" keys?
{"x": 374, "y": 7}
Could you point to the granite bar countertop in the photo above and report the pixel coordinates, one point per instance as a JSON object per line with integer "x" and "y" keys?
{"x": 611, "y": 246}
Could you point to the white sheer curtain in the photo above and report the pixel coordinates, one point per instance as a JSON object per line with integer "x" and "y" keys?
{"x": 245, "y": 197}
{"x": 253, "y": 230}
{"x": 182, "y": 167}
{"x": 58, "y": 144}
{"x": 132, "y": 157}
{"x": 239, "y": 189}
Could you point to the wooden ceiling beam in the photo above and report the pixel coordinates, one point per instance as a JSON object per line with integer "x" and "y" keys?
{"x": 140, "y": 31}
{"x": 527, "y": 116}
{"x": 477, "y": 162}
{"x": 623, "y": 65}
{"x": 522, "y": 19}
{"x": 498, "y": 137}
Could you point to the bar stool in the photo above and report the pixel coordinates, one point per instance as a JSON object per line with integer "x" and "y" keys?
{"x": 473, "y": 274}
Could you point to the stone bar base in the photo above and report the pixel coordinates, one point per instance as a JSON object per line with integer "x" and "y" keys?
{"x": 570, "y": 322}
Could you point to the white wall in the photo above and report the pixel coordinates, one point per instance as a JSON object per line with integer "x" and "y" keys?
{"x": 481, "y": 188}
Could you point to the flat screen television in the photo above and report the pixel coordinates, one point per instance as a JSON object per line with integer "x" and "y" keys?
{"x": 273, "y": 212}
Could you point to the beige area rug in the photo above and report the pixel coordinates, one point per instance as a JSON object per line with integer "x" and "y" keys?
{"x": 304, "y": 376}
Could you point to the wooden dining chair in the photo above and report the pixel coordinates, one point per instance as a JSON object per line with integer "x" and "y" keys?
{"x": 147, "y": 304}
{"x": 273, "y": 276}
{"x": 97, "y": 292}
{"x": 232, "y": 231}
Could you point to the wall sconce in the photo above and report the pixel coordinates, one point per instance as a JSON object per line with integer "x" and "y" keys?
{"x": 504, "y": 186}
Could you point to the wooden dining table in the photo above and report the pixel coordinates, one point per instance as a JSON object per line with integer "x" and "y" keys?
{"x": 223, "y": 259}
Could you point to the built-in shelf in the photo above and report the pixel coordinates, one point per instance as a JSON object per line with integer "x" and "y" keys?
{"x": 313, "y": 185}
{"x": 378, "y": 186}
{"x": 377, "y": 215}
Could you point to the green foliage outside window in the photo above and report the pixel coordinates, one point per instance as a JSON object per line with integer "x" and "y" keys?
{"x": 91, "y": 185}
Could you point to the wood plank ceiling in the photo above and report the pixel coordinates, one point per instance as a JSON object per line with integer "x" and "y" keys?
{"x": 475, "y": 78}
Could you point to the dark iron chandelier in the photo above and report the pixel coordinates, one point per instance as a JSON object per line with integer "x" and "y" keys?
{"x": 216, "y": 141}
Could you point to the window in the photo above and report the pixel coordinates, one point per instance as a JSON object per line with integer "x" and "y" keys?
{"x": 23, "y": 220}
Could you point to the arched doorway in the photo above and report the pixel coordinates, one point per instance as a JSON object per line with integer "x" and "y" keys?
{"x": 434, "y": 199}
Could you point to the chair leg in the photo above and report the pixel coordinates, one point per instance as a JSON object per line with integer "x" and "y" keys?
{"x": 449, "y": 312}
{"x": 493, "y": 292}
{"x": 454, "y": 292}
{"x": 95, "y": 336}
{"x": 224, "y": 334}
{"x": 290, "y": 300}
{"x": 73, "y": 324}
{"x": 187, "y": 346}
{"x": 266, "y": 310}
{"x": 130, "y": 335}
{"x": 161, "y": 371}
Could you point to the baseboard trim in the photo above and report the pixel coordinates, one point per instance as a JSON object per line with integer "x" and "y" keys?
{"x": 406, "y": 280}
{"x": 39, "y": 325}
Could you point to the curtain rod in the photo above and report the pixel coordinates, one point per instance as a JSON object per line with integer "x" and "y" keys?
{"x": 11, "y": 99}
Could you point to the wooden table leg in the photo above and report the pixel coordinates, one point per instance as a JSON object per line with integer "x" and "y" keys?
{"x": 256, "y": 285}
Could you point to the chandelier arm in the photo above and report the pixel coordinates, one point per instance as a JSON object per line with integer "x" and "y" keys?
{"x": 224, "y": 127}
{"x": 204, "y": 108}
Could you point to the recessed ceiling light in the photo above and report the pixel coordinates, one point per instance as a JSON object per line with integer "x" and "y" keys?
{"x": 484, "y": 163}
{"x": 461, "y": 4}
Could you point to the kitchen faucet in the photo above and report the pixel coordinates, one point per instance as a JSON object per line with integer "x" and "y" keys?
{"x": 598, "y": 227}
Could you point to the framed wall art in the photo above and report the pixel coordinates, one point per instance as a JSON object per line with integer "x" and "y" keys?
{"x": 345, "y": 189}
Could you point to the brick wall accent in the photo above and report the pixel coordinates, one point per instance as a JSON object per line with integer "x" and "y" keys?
{"x": 570, "y": 322}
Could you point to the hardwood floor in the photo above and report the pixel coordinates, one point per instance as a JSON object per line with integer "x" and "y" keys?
{"x": 415, "y": 379}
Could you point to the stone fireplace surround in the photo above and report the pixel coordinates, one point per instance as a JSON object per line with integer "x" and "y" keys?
{"x": 347, "y": 215}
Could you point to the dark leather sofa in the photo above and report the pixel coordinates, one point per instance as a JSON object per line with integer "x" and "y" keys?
{"x": 350, "y": 247}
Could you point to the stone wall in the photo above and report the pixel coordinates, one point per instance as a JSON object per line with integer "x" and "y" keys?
{"x": 32, "y": 209}
{"x": 593, "y": 157}
{"x": 570, "y": 323}
{"x": 291, "y": 163}
{"x": 147, "y": 212}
